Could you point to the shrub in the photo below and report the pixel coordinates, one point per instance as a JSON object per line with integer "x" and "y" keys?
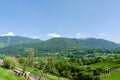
{"x": 9, "y": 63}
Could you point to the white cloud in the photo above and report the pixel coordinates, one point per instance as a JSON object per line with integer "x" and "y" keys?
{"x": 8, "y": 34}
{"x": 104, "y": 34}
{"x": 35, "y": 37}
{"x": 79, "y": 35}
{"x": 53, "y": 35}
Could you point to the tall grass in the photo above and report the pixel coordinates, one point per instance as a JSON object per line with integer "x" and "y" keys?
{"x": 8, "y": 75}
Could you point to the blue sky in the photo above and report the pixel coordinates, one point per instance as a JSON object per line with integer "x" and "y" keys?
{"x": 45, "y": 19}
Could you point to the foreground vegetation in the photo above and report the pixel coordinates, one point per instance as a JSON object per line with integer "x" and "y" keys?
{"x": 97, "y": 68}
{"x": 80, "y": 64}
{"x": 84, "y": 68}
{"x": 8, "y": 75}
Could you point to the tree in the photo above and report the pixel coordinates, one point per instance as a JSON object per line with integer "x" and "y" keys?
{"x": 28, "y": 59}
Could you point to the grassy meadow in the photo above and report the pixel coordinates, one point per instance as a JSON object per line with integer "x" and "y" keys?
{"x": 114, "y": 75}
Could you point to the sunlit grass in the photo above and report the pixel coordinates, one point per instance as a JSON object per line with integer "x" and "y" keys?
{"x": 8, "y": 75}
{"x": 115, "y": 75}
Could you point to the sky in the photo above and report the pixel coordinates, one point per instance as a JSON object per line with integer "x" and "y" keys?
{"x": 44, "y": 19}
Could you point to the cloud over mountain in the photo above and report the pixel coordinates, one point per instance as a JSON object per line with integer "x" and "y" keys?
{"x": 53, "y": 35}
{"x": 79, "y": 35}
{"x": 8, "y": 34}
{"x": 104, "y": 34}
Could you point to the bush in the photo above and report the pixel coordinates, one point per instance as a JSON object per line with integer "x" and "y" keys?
{"x": 9, "y": 63}
{"x": 97, "y": 78}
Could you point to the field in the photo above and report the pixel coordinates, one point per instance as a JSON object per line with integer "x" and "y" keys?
{"x": 114, "y": 75}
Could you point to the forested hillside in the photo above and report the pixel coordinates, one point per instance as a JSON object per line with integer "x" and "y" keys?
{"x": 12, "y": 40}
{"x": 63, "y": 46}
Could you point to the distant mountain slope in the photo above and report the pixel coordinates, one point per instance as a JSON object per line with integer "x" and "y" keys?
{"x": 95, "y": 43}
{"x": 12, "y": 40}
{"x": 58, "y": 45}
{"x": 2, "y": 44}
{"x": 61, "y": 43}
{"x": 65, "y": 43}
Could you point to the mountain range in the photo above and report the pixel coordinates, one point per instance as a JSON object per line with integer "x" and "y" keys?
{"x": 80, "y": 43}
{"x": 17, "y": 44}
{"x": 57, "y": 42}
{"x": 13, "y": 40}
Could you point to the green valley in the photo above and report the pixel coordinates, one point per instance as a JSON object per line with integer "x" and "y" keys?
{"x": 64, "y": 59}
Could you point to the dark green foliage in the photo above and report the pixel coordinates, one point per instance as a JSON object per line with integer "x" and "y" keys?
{"x": 68, "y": 68}
{"x": 97, "y": 78}
{"x": 79, "y": 68}
{"x": 84, "y": 76}
{"x": 22, "y": 60}
{"x": 96, "y": 72}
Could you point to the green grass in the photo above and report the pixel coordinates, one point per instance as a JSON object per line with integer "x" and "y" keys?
{"x": 115, "y": 75}
{"x": 8, "y": 75}
{"x": 109, "y": 64}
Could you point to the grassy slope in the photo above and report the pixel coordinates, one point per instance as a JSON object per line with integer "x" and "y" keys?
{"x": 115, "y": 75}
{"x": 103, "y": 65}
{"x": 8, "y": 75}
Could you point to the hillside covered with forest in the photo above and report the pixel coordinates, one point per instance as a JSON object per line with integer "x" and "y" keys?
{"x": 61, "y": 46}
